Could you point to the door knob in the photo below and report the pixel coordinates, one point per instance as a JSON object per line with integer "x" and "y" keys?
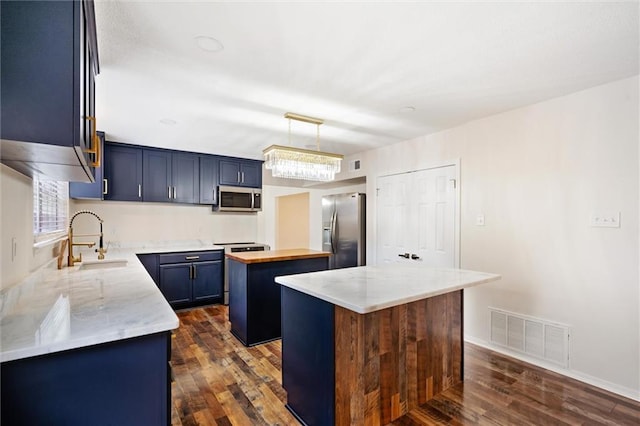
{"x": 405, "y": 255}
{"x": 415, "y": 257}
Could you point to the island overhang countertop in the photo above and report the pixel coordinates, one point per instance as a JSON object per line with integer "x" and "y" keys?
{"x": 367, "y": 289}
{"x": 249, "y": 257}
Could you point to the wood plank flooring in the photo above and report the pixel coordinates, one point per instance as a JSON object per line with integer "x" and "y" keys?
{"x": 218, "y": 381}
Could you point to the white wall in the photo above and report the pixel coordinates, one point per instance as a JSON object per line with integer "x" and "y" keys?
{"x": 16, "y": 225}
{"x": 128, "y": 222}
{"x": 537, "y": 174}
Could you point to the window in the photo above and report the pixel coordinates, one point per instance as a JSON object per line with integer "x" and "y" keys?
{"x": 50, "y": 210}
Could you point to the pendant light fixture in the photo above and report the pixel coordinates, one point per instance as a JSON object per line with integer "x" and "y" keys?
{"x": 296, "y": 163}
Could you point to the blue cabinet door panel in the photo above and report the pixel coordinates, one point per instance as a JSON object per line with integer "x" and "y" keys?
{"x": 185, "y": 178}
{"x": 207, "y": 280}
{"x": 229, "y": 172}
{"x": 175, "y": 282}
{"x": 251, "y": 173}
{"x": 40, "y": 84}
{"x": 208, "y": 180}
{"x": 122, "y": 173}
{"x": 156, "y": 166}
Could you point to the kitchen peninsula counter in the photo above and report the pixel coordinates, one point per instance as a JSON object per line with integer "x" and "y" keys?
{"x": 254, "y": 296}
{"x": 383, "y": 339}
{"x": 89, "y": 343}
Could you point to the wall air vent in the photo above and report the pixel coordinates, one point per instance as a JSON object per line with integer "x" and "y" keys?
{"x": 536, "y": 337}
{"x": 354, "y": 165}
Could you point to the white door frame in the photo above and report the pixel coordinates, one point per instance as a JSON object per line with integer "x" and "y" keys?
{"x": 457, "y": 196}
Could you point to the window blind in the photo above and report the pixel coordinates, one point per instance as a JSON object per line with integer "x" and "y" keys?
{"x": 50, "y": 210}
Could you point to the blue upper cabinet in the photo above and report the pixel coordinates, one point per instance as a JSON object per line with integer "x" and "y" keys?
{"x": 238, "y": 172}
{"x": 186, "y": 178}
{"x": 95, "y": 190}
{"x": 209, "y": 180}
{"x": 171, "y": 177}
{"x": 49, "y": 59}
{"x": 122, "y": 172}
{"x": 156, "y": 166}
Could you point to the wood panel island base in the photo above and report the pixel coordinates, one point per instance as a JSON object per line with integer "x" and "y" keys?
{"x": 366, "y": 345}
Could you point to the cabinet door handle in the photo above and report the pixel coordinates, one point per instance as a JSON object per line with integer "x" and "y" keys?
{"x": 415, "y": 257}
{"x": 238, "y": 177}
{"x": 139, "y": 191}
{"x": 95, "y": 143}
{"x": 195, "y": 272}
{"x": 169, "y": 192}
{"x": 190, "y": 272}
{"x": 174, "y": 193}
{"x": 191, "y": 257}
{"x": 405, "y": 255}
{"x": 242, "y": 178}
{"x": 105, "y": 186}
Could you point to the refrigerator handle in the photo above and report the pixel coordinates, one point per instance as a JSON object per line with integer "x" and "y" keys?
{"x": 332, "y": 236}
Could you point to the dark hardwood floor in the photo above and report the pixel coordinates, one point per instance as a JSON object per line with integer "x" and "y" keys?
{"x": 218, "y": 381}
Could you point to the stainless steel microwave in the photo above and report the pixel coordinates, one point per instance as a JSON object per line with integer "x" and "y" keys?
{"x": 239, "y": 199}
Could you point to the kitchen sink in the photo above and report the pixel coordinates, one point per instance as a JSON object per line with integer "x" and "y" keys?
{"x": 103, "y": 264}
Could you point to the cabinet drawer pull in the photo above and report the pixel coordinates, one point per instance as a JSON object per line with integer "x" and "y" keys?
{"x": 191, "y": 257}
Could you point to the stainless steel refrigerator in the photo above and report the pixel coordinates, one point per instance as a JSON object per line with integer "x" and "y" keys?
{"x": 344, "y": 230}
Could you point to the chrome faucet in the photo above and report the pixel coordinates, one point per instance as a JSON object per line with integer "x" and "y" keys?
{"x": 101, "y": 251}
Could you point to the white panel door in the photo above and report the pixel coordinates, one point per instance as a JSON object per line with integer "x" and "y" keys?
{"x": 434, "y": 231}
{"x": 393, "y": 210}
{"x": 416, "y": 217}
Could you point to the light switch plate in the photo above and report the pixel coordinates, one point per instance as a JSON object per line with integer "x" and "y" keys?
{"x": 480, "y": 220}
{"x": 605, "y": 220}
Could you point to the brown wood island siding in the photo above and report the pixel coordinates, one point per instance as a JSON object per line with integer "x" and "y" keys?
{"x": 389, "y": 362}
{"x": 276, "y": 255}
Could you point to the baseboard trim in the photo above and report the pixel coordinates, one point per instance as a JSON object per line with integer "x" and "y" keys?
{"x": 585, "y": 378}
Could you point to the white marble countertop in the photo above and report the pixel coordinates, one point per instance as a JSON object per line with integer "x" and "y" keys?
{"x": 367, "y": 289}
{"x": 54, "y": 310}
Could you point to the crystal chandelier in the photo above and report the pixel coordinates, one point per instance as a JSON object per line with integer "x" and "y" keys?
{"x": 295, "y": 163}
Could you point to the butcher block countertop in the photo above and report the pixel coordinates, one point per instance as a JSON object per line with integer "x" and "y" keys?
{"x": 276, "y": 255}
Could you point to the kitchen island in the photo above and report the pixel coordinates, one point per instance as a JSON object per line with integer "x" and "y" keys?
{"x": 366, "y": 345}
{"x": 254, "y": 296}
{"x": 88, "y": 344}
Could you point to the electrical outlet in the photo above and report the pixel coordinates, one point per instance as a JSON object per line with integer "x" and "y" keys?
{"x": 480, "y": 220}
{"x": 605, "y": 219}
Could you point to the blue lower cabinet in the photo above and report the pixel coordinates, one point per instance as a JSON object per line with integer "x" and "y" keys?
{"x": 126, "y": 382}
{"x": 191, "y": 278}
{"x": 254, "y": 296}
{"x": 308, "y": 366}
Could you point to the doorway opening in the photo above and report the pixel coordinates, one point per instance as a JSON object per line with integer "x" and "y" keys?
{"x": 292, "y": 221}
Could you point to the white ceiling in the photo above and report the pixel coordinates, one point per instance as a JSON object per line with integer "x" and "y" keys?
{"x": 355, "y": 65}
